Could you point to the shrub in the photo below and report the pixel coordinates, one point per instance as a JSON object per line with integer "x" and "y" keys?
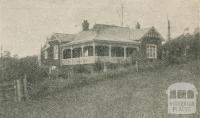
{"x": 14, "y": 68}
{"x": 181, "y": 49}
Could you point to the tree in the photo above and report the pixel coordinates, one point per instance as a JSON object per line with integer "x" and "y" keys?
{"x": 6, "y": 54}
{"x": 9, "y": 67}
{"x": 29, "y": 66}
{"x": 14, "y": 68}
{"x": 182, "y": 49}
{"x": 195, "y": 46}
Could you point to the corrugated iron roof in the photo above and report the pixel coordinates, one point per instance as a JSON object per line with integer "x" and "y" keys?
{"x": 137, "y": 34}
{"x": 113, "y": 34}
{"x": 61, "y": 37}
{"x": 105, "y": 33}
{"x": 85, "y": 36}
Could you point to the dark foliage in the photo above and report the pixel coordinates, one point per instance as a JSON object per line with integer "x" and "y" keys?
{"x": 14, "y": 68}
{"x": 182, "y": 49}
{"x": 9, "y": 68}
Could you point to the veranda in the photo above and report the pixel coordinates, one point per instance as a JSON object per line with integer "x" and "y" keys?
{"x": 93, "y": 52}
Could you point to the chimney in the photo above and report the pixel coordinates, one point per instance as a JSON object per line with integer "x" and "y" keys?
{"x": 85, "y": 25}
{"x": 137, "y": 26}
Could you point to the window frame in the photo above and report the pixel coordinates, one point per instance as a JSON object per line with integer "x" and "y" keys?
{"x": 181, "y": 94}
{"x": 151, "y": 51}
{"x": 188, "y": 95}
{"x": 173, "y": 94}
{"x": 66, "y": 54}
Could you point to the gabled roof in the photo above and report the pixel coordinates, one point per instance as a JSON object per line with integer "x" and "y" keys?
{"x": 113, "y": 33}
{"x": 137, "y": 34}
{"x": 184, "y": 37}
{"x": 103, "y": 32}
{"x": 61, "y": 37}
{"x": 85, "y": 36}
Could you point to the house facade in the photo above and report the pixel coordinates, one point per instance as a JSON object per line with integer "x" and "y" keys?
{"x": 101, "y": 44}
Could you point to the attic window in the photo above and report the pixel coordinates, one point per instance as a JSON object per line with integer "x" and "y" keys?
{"x": 151, "y": 51}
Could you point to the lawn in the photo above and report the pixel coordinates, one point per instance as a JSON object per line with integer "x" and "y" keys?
{"x": 129, "y": 95}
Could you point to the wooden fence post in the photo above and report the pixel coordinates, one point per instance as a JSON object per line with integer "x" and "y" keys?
{"x": 25, "y": 87}
{"x": 11, "y": 90}
{"x": 19, "y": 90}
{"x": 2, "y": 97}
{"x": 15, "y": 89}
{"x": 136, "y": 64}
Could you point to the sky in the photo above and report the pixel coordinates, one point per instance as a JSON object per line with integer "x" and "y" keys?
{"x": 25, "y": 24}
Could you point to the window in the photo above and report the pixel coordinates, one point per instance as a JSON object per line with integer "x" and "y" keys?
{"x": 181, "y": 94}
{"x": 173, "y": 94}
{"x": 151, "y": 51}
{"x": 102, "y": 50}
{"x": 117, "y": 52}
{"x": 88, "y": 51}
{"x": 76, "y": 52}
{"x": 45, "y": 54}
{"x": 66, "y": 53}
{"x": 190, "y": 94}
{"x": 130, "y": 51}
{"x": 55, "y": 52}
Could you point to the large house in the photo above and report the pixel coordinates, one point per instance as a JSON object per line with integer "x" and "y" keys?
{"x": 101, "y": 44}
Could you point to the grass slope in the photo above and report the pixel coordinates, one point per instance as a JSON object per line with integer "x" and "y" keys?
{"x": 133, "y": 95}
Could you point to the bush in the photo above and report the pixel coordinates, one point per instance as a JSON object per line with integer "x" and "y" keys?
{"x": 14, "y": 68}
{"x": 195, "y": 67}
{"x": 182, "y": 49}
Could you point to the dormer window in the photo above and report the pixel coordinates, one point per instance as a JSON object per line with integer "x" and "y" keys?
{"x": 151, "y": 51}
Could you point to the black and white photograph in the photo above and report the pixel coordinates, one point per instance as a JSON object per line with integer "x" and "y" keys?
{"x": 99, "y": 59}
